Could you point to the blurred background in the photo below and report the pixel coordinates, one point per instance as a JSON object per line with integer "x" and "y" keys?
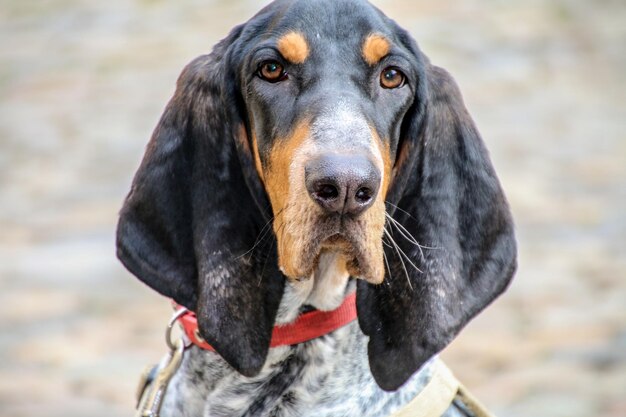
{"x": 83, "y": 83}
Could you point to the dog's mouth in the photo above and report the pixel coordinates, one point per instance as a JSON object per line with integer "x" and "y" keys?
{"x": 350, "y": 251}
{"x": 338, "y": 242}
{"x": 359, "y": 247}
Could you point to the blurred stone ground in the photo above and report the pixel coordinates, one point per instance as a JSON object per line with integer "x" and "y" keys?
{"x": 83, "y": 83}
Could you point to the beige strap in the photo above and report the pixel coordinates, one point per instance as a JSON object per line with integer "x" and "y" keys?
{"x": 472, "y": 403}
{"x": 437, "y": 396}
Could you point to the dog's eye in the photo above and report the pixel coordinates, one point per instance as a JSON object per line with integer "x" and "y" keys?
{"x": 392, "y": 77}
{"x": 272, "y": 71}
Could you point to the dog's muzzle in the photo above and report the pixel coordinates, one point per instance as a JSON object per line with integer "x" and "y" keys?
{"x": 343, "y": 184}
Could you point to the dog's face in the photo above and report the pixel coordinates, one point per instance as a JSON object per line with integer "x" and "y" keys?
{"x": 319, "y": 127}
{"x": 325, "y": 117}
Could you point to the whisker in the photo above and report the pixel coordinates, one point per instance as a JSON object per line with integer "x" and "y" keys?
{"x": 387, "y": 262}
{"x": 281, "y": 230}
{"x": 402, "y": 229}
{"x": 409, "y": 259}
{"x": 264, "y": 231}
{"x": 402, "y": 210}
{"x": 408, "y": 214}
{"x": 398, "y": 251}
{"x": 267, "y": 255}
{"x": 406, "y": 234}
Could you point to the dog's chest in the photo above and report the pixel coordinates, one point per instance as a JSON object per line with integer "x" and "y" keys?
{"x": 328, "y": 376}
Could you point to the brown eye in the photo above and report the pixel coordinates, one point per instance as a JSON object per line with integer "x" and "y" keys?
{"x": 272, "y": 71}
{"x": 391, "y": 78}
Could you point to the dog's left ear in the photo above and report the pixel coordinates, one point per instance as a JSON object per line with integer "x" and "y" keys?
{"x": 449, "y": 200}
{"x": 190, "y": 223}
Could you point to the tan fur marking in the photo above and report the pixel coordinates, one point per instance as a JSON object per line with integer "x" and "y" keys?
{"x": 280, "y": 159}
{"x": 293, "y": 230}
{"x": 293, "y": 47}
{"x": 401, "y": 158}
{"x": 375, "y": 47}
{"x": 257, "y": 157}
{"x": 278, "y": 186}
{"x": 242, "y": 138}
{"x": 374, "y": 223}
{"x": 385, "y": 153}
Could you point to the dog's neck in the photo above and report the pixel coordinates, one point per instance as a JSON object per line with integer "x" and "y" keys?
{"x": 327, "y": 376}
{"x": 324, "y": 290}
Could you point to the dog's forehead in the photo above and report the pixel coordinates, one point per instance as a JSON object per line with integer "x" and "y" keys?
{"x": 328, "y": 25}
{"x": 332, "y": 17}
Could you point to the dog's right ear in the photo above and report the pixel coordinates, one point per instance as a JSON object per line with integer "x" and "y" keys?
{"x": 450, "y": 199}
{"x": 190, "y": 222}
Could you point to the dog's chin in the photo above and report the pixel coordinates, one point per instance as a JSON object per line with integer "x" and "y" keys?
{"x": 363, "y": 260}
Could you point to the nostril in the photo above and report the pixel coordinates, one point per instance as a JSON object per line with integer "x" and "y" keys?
{"x": 342, "y": 184}
{"x": 363, "y": 195}
{"x": 326, "y": 192}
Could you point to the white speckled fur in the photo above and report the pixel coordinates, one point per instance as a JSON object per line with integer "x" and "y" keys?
{"x": 325, "y": 377}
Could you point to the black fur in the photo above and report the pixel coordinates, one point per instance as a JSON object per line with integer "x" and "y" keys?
{"x": 190, "y": 216}
{"x": 196, "y": 204}
{"x": 452, "y": 204}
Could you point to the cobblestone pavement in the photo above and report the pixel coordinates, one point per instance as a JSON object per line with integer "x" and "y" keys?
{"x": 82, "y": 83}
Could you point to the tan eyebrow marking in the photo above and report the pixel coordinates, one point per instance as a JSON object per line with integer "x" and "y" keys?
{"x": 375, "y": 47}
{"x": 293, "y": 47}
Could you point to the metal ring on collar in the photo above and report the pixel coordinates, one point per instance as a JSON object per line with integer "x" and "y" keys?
{"x": 168, "y": 330}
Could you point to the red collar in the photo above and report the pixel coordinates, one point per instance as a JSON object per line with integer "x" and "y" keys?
{"x": 307, "y": 326}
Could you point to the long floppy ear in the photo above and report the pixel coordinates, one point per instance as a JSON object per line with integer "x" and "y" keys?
{"x": 453, "y": 205}
{"x": 189, "y": 222}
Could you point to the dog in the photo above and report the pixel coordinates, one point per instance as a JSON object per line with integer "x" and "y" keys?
{"x": 314, "y": 153}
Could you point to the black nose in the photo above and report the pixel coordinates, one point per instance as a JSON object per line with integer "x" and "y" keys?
{"x": 345, "y": 184}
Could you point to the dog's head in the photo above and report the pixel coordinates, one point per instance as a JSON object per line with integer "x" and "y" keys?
{"x": 321, "y": 126}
